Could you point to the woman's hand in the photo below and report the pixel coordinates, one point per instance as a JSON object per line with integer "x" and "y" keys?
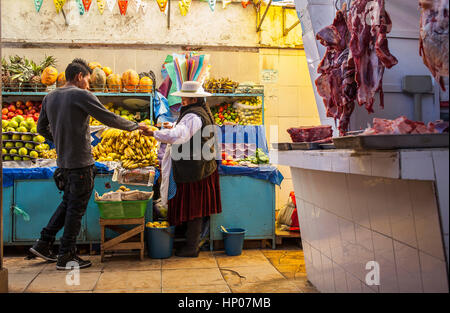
{"x": 145, "y": 130}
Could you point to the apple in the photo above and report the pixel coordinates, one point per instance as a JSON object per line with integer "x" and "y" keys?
{"x": 10, "y": 129}
{"x": 26, "y": 159}
{"x": 5, "y": 111}
{"x": 46, "y": 146}
{"x": 11, "y": 108}
{"x": 13, "y": 124}
{"x": 10, "y": 115}
{"x": 16, "y": 158}
{"x": 32, "y": 111}
{"x": 23, "y": 151}
{"x": 19, "y": 144}
{"x": 5, "y": 137}
{"x": 18, "y": 118}
{"x": 34, "y": 154}
{"x": 7, "y": 158}
{"x": 23, "y": 124}
{"x": 33, "y": 130}
{"x": 4, "y": 117}
{"x": 13, "y": 151}
{"x": 22, "y": 129}
{"x": 15, "y": 137}
{"x": 19, "y": 103}
{"x": 29, "y": 104}
{"x": 26, "y": 137}
{"x": 19, "y": 112}
{"x": 29, "y": 145}
{"x": 4, "y": 123}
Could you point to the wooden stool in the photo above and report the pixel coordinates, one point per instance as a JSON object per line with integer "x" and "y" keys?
{"x": 118, "y": 243}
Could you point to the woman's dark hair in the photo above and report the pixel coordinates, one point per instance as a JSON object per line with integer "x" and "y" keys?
{"x": 77, "y": 66}
{"x": 202, "y": 102}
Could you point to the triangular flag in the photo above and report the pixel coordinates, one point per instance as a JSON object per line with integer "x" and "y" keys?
{"x": 101, "y": 6}
{"x": 225, "y": 3}
{"x": 162, "y": 4}
{"x": 80, "y": 7}
{"x": 110, "y": 4}
{"x": 245, "y": 3}
{"x": 138, "y": 4}
{"x": 212, "y": 4}
{"x": 38, "y": 4}
{"x": 59, "y": 4}
{"x": 123, "y": 4}
{"x": 184, "y": 6}
{"x": 87, "y": 4}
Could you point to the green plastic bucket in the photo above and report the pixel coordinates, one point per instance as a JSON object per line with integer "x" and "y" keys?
{"x": 233, "y": 240}
{"x": 122, "y": 209}
{"x": 160, "y": 242}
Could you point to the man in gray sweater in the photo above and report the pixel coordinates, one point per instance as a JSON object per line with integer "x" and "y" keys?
{"x": 64, "y": 120}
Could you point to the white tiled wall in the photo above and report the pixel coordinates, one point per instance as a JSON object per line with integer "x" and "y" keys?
{"x": 348, "y": 220}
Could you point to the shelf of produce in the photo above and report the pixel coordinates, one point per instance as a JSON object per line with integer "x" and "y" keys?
{"x": 98, "y": 94}
{"x": 237, "y": 95}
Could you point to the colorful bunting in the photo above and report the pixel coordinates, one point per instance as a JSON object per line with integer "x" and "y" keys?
{"x": 162, "y": 4}
{"x": 101, "y": 6}
{"x": 184, "y": 6}
{"x": 87, "y": 4}
{"x": 212, "y": 4}
{"x": 225, "y": 3}
{"x": 80, "y": 7}
{"x": 59, "y": 4}
{"x": 38, "y": 4}
{"x": 110, "y": 4}
{"x": 123, "y": 4}
{"x": 245, "y": 3}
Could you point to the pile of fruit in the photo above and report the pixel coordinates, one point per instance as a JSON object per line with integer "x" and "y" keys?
{"x": 49, "y": 154}
{"x": 259, "y": 158}
{"x": 164, "y": 224}
{"x": 22, "y": 146}
{"x": 119, "y": 111}
{"x": 250, "y": 111}
{"x": 130, "y": 148}
{"x": 222, "y": 85}
{"x": 225, "y": 113}
{"x": 19, "y": 124}
{"x": 26, "y": 75}
{"x": 228, "y": 160}
{"x": 29, "y": 109}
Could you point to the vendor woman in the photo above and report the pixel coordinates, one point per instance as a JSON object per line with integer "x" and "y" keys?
{"x": 195, "y": 173}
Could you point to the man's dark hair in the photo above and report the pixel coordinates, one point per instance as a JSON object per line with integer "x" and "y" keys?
{"x": 77, "y": 66}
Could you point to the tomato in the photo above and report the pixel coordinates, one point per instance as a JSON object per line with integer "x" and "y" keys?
{"x": 224, "y": 162}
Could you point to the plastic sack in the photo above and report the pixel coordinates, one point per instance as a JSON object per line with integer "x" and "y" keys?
{"x": 143, "y": 176}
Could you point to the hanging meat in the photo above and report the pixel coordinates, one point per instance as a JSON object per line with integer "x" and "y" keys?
{"x": 369, "y": 23}
{"x": 356, "y": 56}
{"x": 434, "y": 37}
{"x": 337, "y": 84}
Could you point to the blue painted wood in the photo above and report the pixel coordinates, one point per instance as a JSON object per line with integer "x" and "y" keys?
{"x": 247, "y": 203}
{"x": 7, "y": 218}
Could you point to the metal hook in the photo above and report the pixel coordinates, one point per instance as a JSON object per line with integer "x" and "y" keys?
{"x": 347, "y": 2}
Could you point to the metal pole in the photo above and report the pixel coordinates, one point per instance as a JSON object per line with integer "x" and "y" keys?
{"x": 263, "y": 17}
{"x": 168, "y": 15}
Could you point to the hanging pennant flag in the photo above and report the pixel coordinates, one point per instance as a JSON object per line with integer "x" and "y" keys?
{"x": 245, "y": 3}
{"x": 59, "y": 4}
{"x": 123, "y": 4}
{"x": 110, "y": 4}
{"x": 184, "y": 6}
{"x": 225, "y": 3}
{"x": 162, "y": 4}
{"x": 212, "y": 4}
{"x": 87, "y": 4}
{"x": 38, "y": 4}
{"x": 80, "y": 7}
{"x": 101, "y": 6}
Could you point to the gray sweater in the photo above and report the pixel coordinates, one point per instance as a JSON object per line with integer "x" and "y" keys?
{"x": 64, "y": 120}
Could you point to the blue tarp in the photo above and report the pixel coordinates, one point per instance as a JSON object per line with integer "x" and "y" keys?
{"x": 264, "y": 172}
{"x": 11, "y": 174}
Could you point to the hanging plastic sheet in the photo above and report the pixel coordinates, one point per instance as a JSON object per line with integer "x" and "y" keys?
{"x": 269, "y": 173}
{"x": 244, "y": 134}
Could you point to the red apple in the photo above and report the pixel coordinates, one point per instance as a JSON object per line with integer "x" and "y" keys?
{"x": 5, "y": 111}
{"x": 28, "y": 104}
{"x": 11, "y": 108}
{"x": 19, "y": 112}
{"x": 36, "y": 115}
{"x": 32, "y": 111}
{"x": 10, "y": 115}
{"x": 5, "y": 117}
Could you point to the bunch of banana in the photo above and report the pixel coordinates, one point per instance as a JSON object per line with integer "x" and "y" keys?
{"x": 222, "y": 85}
{"x": 123, "y": 189}
{"x": 49, "y": 154}
{"x": 130, "y": 148}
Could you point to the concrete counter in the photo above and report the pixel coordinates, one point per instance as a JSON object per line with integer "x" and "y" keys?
{"x": 390, "y": 207}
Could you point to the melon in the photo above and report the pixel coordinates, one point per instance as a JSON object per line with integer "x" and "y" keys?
{"x": 107, "y": 70}
{"x": 114, "y": 83}
{"x": 98, "y": 79}
{"x": 130, "y": 80}
{"x": 61, "y": 81}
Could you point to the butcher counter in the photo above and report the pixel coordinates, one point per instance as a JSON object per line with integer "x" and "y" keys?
{"x": 373, "y": 221}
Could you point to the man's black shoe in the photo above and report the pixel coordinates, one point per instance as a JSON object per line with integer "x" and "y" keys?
{"x": 43, "y": 249}
{"x": 70, "y": 260}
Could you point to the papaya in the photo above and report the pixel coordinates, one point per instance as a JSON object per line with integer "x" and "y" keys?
{"x": 49, "y": 76}
{"x": 114, "y": 83}
{"x": 107, "y": 70}
{"x": 145, "y": 84}
{"x": 130, "y": 80}
{"x": 93, "y": 65}
{"x": 98, "y": 79}
{"x": 61, "y": 81}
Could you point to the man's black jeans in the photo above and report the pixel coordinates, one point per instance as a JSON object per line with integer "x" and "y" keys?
{"x": 78, "y": 187}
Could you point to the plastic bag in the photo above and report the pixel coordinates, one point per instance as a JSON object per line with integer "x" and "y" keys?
{"x": 143, "y": 176}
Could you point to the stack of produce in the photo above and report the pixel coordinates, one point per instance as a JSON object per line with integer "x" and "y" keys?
{"x": 250, "y": 111}
{"x": 228, "y": 160}
{"x": 222, "y": 85}
{"x": 130, "y": 148}
{"x": 26, "y": 75}
{"x": 259, "y": 158}
{"x": 119, "y": 111}
{"x": 29, "y": 109}
{"x": 49, "y": 154}
{"x": 164, "y": 224}
{"x": 225, "y": 113}
{"x": 321, "y": 134}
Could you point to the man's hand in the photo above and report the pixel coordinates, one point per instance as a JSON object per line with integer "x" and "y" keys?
{"x": 145, "y": 130}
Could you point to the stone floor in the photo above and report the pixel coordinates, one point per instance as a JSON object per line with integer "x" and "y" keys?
{"x": 256, "y": 270}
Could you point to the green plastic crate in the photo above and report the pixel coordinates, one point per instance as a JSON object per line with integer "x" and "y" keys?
{"x": 122, "y": 209}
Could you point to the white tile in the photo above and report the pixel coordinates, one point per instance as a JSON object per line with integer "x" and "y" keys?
{"x": 326, "y": 219}
{"x": 400, "y": 211}
{"x": 426, "y": 218}
{"x": 306, "y": 250}
{"x": 317, "y": 259}
{"x": 416, "y": 165}
{"x": 368, "y": 289}
{"x": 361, "y": 165}
{"x": 341, "y": 164}
{"x": 377, "y": 205}
{"x": 337, "y": 197}
{"x": 349, "y": 246}
{"x": 365, "y": 250}
{"x": 384, "y": 255}
{"x": 307, "y": 186}
{"x": 336, "y": 245}
{"x": 340, "y": 281}
{"x": 319, "y": 187}
{"x": 353, "y": 284}
{"x": 327, "y": 271}
{"x": 386, "y": 166}
{"x": 434, "y": 274}
{"x": 312, "y": 228}
{"x": 358, "y": 199}
{"x": 408, "y": 268}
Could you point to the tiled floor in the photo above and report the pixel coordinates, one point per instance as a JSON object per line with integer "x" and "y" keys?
{"x": 266, "y": 271}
